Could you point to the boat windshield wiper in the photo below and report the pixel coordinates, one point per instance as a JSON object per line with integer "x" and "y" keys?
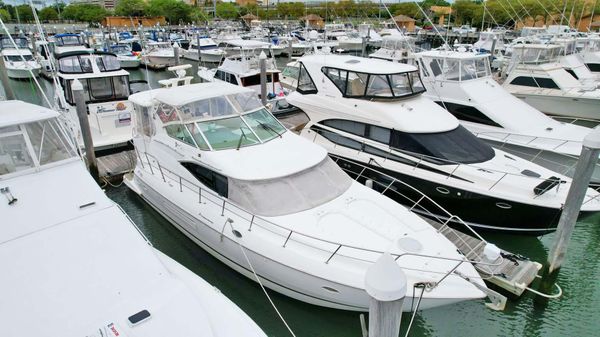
{"x": 243, "y": 135}
{"x": 270, "y": 128}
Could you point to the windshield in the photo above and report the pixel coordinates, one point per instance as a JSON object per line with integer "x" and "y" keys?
{"x": 17, "y": 58}
{"x": 291, "y": 194}
{"x": 107, "y": 63}
{"x": 75, "y": 64}
{"x": 363, "y": 85}
{"x": 47, "y": 140}
{"x": 70, "y": 40}
{"x": 20, "y": 42}
{"x": 450, "y": 147}
{"x": 459, "y": 70}
{"x": 101, "y": 89}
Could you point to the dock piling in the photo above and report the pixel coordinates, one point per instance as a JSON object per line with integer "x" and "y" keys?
{"x": 568, "y": 218}
{"x": 385, "y": 283}
{"x": 176, "y": 50}
{"x": 262, "y": 60}
{"x": 10, "y": 94}
{"x": 84, "y": 123}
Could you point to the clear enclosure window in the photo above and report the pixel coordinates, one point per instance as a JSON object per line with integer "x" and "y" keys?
{"x": 207, "y": 108}
{"x": 179, "y": 132}
{"x": 107, "y": 63}
{"x": 357, "y": 83}
{"x": 305, "y": 83}
{"x": 100, "y": 88}
{"x": 197, "y": 135}
{"x": 228, "y": 133}
{"x": 14, "y": 155}
{"x": 48, "y": 142}
{"x": 264, "y": 125}
{"x": 379, "y": 86}
{"x": 400, "y": 84}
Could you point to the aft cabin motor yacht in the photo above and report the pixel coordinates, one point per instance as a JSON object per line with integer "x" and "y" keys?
{"x": 215, "y": 163}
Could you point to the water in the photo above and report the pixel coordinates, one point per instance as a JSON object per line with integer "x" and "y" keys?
{"x": 575, "y": 314}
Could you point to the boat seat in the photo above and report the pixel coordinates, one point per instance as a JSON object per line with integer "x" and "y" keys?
{"x": 175, "y": 82}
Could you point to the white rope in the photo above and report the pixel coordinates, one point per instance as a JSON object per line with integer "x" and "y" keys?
{"x": 264, "y": 290}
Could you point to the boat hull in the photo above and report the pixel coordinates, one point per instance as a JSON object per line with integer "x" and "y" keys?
{"x": 480, "y": 211}
{"x": 568, "y": 106}
{"x": 273, "y": 274}
{"x": 22, "y": 73}
{"x": 160, "y": 61}
{"x": 129, "y": 64}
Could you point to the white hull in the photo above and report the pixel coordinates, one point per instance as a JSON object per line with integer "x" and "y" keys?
{"x": 205, "y": 56}
{"x": 350, "y": 45}
{"x": 273, "y": 274}
{"x": 569, "y": 106}
{"x": 129, "y": 63}
{"x": 21, "y": 73}
{"x": 159, "y": 61}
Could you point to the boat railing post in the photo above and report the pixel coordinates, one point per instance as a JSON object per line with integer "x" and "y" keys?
{"x": 180, "y": 185}
{"x": 149, "y": 163}
{"x": 161, "y": 171}
{"x": 84, "y": 124}
{"x": 385, "y": 282}
{"x": 568, "y": 217}
{"x": 223, "y": 208}
{"x": 251, "y": 222}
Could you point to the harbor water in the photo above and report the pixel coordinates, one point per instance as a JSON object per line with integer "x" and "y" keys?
{"x": 576, "y": 313}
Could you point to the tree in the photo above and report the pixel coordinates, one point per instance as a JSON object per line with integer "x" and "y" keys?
{"x": 84, "y": 12}
{"x": 24, "y": 13}
{"x": 174, "y": 11}
{"x": 130, "y": 8}
{"x": 47, "y": 14}
{"x": 227, "y": 10}
{"x": 5, "y": 15}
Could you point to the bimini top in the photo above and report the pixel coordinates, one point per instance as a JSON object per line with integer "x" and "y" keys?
{"x": 357, "y": 64}
{"x": 19, "y": 112}
{"x": 186, "y": 94}
{"x": 245, "y": 44}
{"x": 452, "y": 54}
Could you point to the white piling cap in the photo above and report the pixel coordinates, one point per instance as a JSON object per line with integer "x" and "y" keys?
{"x": 592, "y": 140}
{"x": 76, "y": 85}
{"x": 262, "y": 55}
{"x": 385, "y": 280}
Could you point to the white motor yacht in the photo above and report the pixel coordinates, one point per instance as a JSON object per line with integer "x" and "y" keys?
{"x": 67, "y": 42}
{"x": 244, "y": 70}
{"x": 73, "y": 262}
{"x": 158, "y": 54}
{"x": 106, "y": 88}
{"x": 536, "y": 76}
{"x": 395, "y": 48}
{"x": 372, "y": 112}
{"x": 462, "y": 83}
{"x": 18, "y": 60}
{"x": 209, "y": 51}
{"x": 127, "y": 58}
{"x": 215, "y": 163}
{"x": 591, "y": 53}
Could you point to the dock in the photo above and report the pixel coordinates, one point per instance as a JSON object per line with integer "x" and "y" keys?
{"x": 112, "y": 167}
{"x": 514, "y": 274}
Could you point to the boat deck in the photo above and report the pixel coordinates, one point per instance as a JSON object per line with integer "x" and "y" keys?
{"x": 113, "y": 166}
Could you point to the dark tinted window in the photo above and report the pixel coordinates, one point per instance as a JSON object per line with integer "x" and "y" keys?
{"x": 255, "y": 79}
{"x": 570, "y": 71}
{"x": 454, "y": 146}
{"x": 215, "y": 181}
{"x": 467, "y": 113}
{"x": 538, "y": 82}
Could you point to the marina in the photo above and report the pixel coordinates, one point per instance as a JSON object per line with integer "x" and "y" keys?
{"x": 324, "y": 179}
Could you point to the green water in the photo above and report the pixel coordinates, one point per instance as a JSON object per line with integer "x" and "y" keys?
{"x": 577, "y": 313}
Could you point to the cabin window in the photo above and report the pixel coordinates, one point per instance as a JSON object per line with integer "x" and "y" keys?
{"x": 14, "y": 154}
{"x": 355, "y": 128}
{"x": 291, "y": 71}
{"x": 448, "y": 147}
{"x": 75, "y": 64}
{"x": 68, "y": 40}
{"x": 467, "y": 113}
{"x": 255, "y": 79}
{"x": 538, "y": 82}
{"x": 305, "y": 82}
{"x": 572, "y": 73}
{"x": 213, "y": 180}
{"x": 337, "y": 76}
{"x": 100, "y": 89}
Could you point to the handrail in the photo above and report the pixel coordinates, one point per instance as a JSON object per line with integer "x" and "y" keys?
{"x": 531, "y": 139}
{"x": 287, "y": 234}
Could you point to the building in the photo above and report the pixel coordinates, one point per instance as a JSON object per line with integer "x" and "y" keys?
{"x": 248, "y": 18}
{"x": 441, "y": 12}
{"x": 126, "y": 21}
{"x": 108, "y": 4}
{"x": 313, "y": 21}
{"x": 245, "y": 2}
{"x": 405, "y": 22}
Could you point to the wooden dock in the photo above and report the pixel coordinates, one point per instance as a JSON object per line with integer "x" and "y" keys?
{"x": 513, "y": 274}
{"x": 113, "y": 166}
